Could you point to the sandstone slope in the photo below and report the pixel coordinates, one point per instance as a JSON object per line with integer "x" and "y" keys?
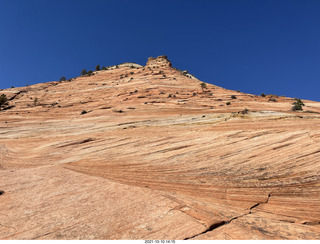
{"x": 155, "y": 157}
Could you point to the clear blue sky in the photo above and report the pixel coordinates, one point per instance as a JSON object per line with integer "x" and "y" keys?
{"x": 254, "y": 46}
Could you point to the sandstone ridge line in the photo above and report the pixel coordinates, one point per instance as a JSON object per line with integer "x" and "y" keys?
{"x": 151, "y": 152}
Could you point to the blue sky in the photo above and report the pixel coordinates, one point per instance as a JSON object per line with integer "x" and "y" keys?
{"x": 254, "y": 46}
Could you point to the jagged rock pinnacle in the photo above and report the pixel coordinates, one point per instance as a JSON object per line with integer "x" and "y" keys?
{"x": 161, "y": 61}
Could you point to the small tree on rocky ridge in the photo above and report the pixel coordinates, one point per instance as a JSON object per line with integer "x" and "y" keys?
{"x": 35, "y": 102}
{"x": 297, "y": 105}
{"x": 84, "y": 72}
{"x": 203, "y": 86}
{"x": 3, "y": 100}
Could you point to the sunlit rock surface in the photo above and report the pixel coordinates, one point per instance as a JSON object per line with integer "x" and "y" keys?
{"x": 142, "y": 152}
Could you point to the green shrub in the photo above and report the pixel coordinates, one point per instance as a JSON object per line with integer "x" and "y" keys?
{"x": 297, "y": 105}
{"x": 263, "y": 95}
{"x": 233, "y": 97}
{"x": 35, "y": 101}
{"x": 84, "y": 72}
{"x": 62, "y": 78}
{"x": 98, "y": 67}
{"x": 245, "y": 111}
{"x": 3, "y": 100}
{"x": 228, "y": 103}
{"x": 203, "y": 86}
{"x": 273, "y": 100}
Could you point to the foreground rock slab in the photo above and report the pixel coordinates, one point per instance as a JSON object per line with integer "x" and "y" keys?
{"x": 156, "y": 157}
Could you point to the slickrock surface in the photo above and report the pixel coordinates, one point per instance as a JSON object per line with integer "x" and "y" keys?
{"x": 155, "y": 157}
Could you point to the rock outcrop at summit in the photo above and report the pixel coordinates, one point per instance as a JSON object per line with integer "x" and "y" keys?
{"x": 161, "y": 61}
{"x": 143, "y": 152}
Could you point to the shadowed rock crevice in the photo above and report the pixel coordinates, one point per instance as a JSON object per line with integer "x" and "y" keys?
{"x": 211, "y": 228}
{"x": 221, "y": 223}
{"x": 15, "y": 95}
{"x": 216, "y": 225}
{"x": 256, "y": 205}
{"x": 8, "y": 107}
{"x": 77, "y": 143}
{"x": 311, "y": 223}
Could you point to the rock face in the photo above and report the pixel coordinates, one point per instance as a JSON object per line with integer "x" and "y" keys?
{"x": 155, "y": 157}
{"x": 161, "y": 61}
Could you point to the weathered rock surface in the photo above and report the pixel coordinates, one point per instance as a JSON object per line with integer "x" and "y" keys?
{"x": 159, "y": 62}
{"x": 155, "y": 157}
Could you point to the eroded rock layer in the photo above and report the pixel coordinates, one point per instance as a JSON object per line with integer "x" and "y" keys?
{"x": 142, "y": 152}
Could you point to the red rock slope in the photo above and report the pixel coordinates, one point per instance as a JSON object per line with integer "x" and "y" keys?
{"x": 155, "y": 157}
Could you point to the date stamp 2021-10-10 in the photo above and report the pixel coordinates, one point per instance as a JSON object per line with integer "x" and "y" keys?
{"x": 159, "y": 241}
